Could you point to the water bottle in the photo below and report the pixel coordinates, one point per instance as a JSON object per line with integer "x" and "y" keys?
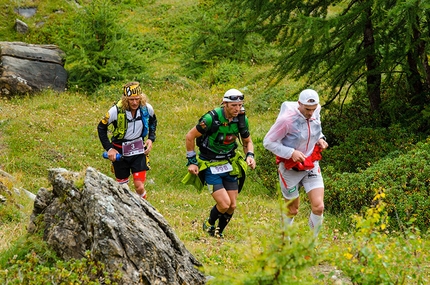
{"x": 118, "y": 156}
{"x": 241, "y": 118}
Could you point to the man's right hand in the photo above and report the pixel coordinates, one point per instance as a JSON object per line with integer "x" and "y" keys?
{"x": 112, "y": 154}
{"x": 298, "y": 156}
{"x": 193, "y": 169}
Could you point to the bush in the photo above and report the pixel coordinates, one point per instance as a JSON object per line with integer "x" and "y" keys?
{"x": 374, "y": 257}
{"x": 405, "y": 179}
{"x": 280, "y": 259}
{"x": 267, "y": 168}
{"x": 99, "y": 47}
{"x": 31, "y": 261}
{"x": 364, "y": 146}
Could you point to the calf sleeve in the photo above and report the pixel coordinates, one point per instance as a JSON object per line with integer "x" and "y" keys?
{"x": 223, "y": 221}
{"x": 315, "y": 223}
{"x": 214, "y": 215}
{"x": 286, "y": 221}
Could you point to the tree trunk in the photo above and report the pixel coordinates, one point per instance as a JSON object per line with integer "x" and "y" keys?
{"x": 373, "y": 75}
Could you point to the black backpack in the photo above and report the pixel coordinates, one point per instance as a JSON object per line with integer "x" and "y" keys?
{"x": 213, "y": 129}
{"x": 201, "y": 141}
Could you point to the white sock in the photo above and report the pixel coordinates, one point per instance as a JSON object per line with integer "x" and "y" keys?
{"x": 315, "y": 223}
{"x": 286, "y": 221}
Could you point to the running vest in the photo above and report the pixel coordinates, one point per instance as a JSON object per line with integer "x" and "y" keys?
{"x": 213, "y": 144}
{"x": 122, "y": 122}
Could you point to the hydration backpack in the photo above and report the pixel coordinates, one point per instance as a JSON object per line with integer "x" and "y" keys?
{"x": 202, "y": 140}
{"x": 122, "y": 123}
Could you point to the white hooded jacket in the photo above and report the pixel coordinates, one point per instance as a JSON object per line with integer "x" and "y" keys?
{"x": 292, "y": 131}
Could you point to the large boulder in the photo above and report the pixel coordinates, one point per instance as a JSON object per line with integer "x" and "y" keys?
{"x": 27, "y": 68}
{"x": 96, "y": 214}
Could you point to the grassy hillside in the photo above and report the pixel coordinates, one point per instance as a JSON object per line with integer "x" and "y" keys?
{"x": 59, "y": 130}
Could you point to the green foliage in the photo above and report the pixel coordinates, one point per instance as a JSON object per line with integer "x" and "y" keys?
{"x": 60, "y": 131}
{"x": 271, "y": 98}
{"x": 357, "y": 139}
{"x": 374, "y": 257}
{"x": 363, "y": 147}
{"x": 29, "y": 260}
{"x": 60, "y": 142}
{"x": 99, "y": 47}
{"x": 278, "y": 260}
{"x": 267, "y": 167}
{"x": 223, "y": 73}
{"x": 10, "y": 209}
{"x": 212, "y": 44}
{"x": 25, "y": 244}
{"x": 9, "y": 214}
{"x": 405, "y": 179}
{"x": 375, "y": 48}
{"x": 42, "y": 267}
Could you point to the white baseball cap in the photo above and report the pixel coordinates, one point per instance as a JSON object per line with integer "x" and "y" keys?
{"x": 309, "y": 97}
{"x": 233, "y": 95}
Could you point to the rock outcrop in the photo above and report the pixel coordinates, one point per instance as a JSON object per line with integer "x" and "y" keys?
{"x": 94, "y": 213}
{"x": 27, "y": 68}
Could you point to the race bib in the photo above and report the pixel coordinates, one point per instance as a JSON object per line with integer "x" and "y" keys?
{"x": 221, "y": 168}
{"x": 133, "y": 147}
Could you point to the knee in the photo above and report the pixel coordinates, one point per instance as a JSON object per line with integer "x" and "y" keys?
{"x": 318, "y": 209}
{"x": 226, "y": 205}
{"x": 223, "y": 207}
{"x": 232, "y": 206}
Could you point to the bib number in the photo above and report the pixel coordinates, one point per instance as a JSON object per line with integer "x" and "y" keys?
{"x": 134, "y": 147}
{"x": 221, "y": 168}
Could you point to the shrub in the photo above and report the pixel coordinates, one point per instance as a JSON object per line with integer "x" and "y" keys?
{"x": 267, "y": 168}
{"x": 374, "y": 257}
{"x": 99, "y": 47}
{"x": 31, "y": 261}
{"x": 278, "y": 260}
{"x": 364, "y": 146}
{"x": 405, "y": 179}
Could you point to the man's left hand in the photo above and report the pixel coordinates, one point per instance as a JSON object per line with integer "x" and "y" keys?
{"x": 251, "y": 162}
{"x": 322, "y": 143}
{"x": 148, "y": 146}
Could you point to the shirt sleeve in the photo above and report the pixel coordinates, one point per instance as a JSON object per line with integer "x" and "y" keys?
{"x": 273, "y": 139}
{"x": 204, "y": 123}
{"x": 152, "y": 123}
{"x": 102, "y": 128}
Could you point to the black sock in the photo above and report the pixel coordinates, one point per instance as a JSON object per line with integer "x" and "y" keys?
{"x": 214, "y": 215}
{"x": 223, "y": 221}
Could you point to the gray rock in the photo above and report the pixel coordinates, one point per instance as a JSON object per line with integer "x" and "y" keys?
{"x": 120, "y": 229}
{"x": 27, "y": 68}
{"x": 21, "y": 27}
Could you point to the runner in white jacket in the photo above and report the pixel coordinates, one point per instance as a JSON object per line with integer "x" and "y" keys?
{"x": 297, "y": 140}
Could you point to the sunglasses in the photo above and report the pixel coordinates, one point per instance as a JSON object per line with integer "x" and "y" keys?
{"x": 235, "y": 97}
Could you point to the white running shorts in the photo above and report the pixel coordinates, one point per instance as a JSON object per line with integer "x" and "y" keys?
{"x": 291, "y": 180}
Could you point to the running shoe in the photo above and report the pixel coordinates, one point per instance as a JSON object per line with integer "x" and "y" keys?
{"x": 218, "y": 234}
{"x": 210, "y": 229}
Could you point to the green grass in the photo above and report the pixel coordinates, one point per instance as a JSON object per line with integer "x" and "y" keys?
{"x": 59, "y": 130}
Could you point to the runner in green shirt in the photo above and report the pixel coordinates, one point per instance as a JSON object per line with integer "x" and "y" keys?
{"x": 219, "y": 164}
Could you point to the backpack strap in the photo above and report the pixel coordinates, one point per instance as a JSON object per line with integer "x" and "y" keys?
{"x": 203, "y": 139}
{"x": 145, "y": 119}
{"x": 121, "y": 122}
{"x": 215, "y": 122}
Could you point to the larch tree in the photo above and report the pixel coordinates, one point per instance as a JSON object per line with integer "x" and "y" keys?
{"x": 376, "y": 48}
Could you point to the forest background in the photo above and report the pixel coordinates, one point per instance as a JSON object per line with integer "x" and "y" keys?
{"x": 368, "y": 60}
